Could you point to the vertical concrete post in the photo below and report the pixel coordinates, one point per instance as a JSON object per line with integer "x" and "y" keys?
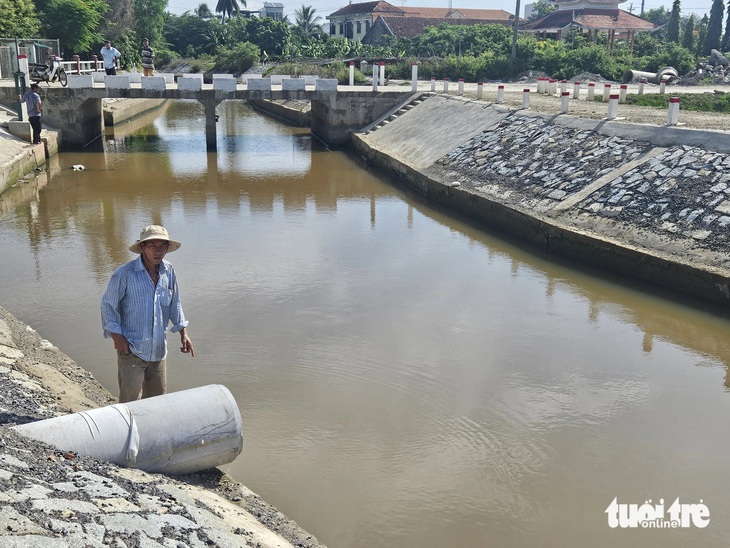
{"x": 211, "y": 144}
{"x": 480, "y": 89}
{"x": 23, "y": 66}
{"x": 553, "y": 86}
{"x": 78, "y": 63}
{"x": 433, "y": 83}
{"x": 525, "y": 98}
{"x": 382, "y": 73}
{"x": 541, "y": 85}
{"x": 564, "y": 101}
{"x": 591, "y": 91}
{"x": 563, "y": 86}
{"x": 375, "y": 76}
{"x": 352, "y": 73}
{"x": 95, "y": 61}
{"x": 500, "y": 93}
{"x": 612, "y": 106}
{"x": 461, "y": 86}
{"x": 414, "y": 77}
{"x": 606, "y": 92}
{"x": 662, "y": 87}
{"x": 641, "y": 86}
{"x": 622, "y": 93}
{"x": 673, "y": 116}
{"x": 576, "y": 90}
{"x": 446, "y": 85}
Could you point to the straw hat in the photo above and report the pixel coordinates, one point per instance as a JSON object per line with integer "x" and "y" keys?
{"x": 154, "y": 232}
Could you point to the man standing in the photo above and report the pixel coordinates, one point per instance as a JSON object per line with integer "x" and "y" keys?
{"x": 33, "y": 103}
{"x": 142, "y": 298}
{"x": 148, "y": 58}
{"x": 110, "y": 55}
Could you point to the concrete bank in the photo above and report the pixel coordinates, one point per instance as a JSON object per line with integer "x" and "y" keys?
{"x": 117, "y": 111}
{"x": 54, "y": 498}
{"x": 651, "y": 202}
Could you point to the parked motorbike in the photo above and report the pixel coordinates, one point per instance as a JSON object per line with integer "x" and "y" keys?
{"x": 44, "y": 73}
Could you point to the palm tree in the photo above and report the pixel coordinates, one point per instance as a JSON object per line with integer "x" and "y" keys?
{"x": 306, "y": 21}
{"x": 228, "y": 7}
{"x": 203, "y": 11}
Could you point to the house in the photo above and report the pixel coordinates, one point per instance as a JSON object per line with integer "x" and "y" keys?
{"x": 591, "y": 17}
{"x": 355, "y": 20}
{"x": 410, "y": 27}
{"x": 274, "y": 10}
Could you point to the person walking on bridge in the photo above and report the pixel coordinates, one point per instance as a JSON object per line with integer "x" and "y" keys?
{"x": 141, "y": 299}
{"x": 33, "y": 104}
{"x": 110, "y": 55}
{"x": 148, "y": 58}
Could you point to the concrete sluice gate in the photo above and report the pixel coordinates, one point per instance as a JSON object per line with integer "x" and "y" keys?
{"x": 178, "y": 433}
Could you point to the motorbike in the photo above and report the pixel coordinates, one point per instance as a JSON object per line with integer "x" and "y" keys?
{"x": 44, "y": 73}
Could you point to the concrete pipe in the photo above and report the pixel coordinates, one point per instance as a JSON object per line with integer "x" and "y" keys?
{"x": 664, "y": 74}
{"x": 178, "y": 433}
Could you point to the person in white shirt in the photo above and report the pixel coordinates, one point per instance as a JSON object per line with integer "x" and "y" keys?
{"x": 110, "y": 56}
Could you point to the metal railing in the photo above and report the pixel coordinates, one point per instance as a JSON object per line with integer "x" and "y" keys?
{"x": 77, "y": 66}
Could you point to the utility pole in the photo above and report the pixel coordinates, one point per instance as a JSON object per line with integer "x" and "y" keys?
{"x": 514, "y": 32}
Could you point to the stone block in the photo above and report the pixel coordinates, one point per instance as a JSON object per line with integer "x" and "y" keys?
{"x": 326, "y": 84}
{"x": 246, "y": 77}
{"x": 224, "y": 84}
{"x": 117, "y": 82}
{"x": 168, "y": 76}
{"x": 80, "y": 81}
{"x": 310, "y": 80}
{"x": 21, "y": 130}
{"x": 292, "y": 84}
{"x": 98, "y": 75}
{"x": 277, "y": 79}
{"x": 134, "y": 77}
{"x": 259, "y": 84}
{"x": 190, "y": 84}
{"x": 154, "y": 82}
{"x": 194, "y": 75}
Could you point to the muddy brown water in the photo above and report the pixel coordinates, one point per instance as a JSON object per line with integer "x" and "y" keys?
{"x": 405, "y": 378}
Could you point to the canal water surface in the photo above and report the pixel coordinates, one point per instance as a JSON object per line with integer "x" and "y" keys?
{"x": 406, "y": 379}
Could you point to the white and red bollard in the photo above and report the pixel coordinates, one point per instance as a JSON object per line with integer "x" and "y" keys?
{"x": 433, "y": 83}
{"x": 414, "y": 77}
{"x": 553, "y": 87}
{"x": 382, "y": 73}
{"x": 564, "y": 101}
{"x": 612, "y": 106}
{"x": 673, "y": 116}
{"x": 576, "y": 90}
{"x": 606, "y": 92}
{"x": 500, "y": 93}
{"x": 563, "y": 86}
{"x": 642, "y": 81}
{"x": 446, "y": 85}
{"x": 541, "y": 85}
{"x": 663, "y": 87}
{"x": 461, "y": 86}
{"x": 480, "y": 90}
{"x": 623, "y": 90}
{"x": 591, "y": 91}
{"x": 375, "y": 76}
{"x": 352, "y": 73}
{"x": 526, "y": 98}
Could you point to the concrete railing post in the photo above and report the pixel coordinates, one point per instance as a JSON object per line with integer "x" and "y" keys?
{"x": 480, "y": 89}
{"x": 623, "y": 90}
{"x": 78, "y": 63}
{"x": 673, "y": 116}
{"x": 564, "y": 101}
{"x": 414, "y": 77}
{"x": 433, "y": 83}
{"x": 576, "y": 90}
{"x": 500, "y": 93}
{"x": 95, "y": 61}
{"x": 612, "y": 106}
{"x": 606, "y": 92}
{"x": 446, "y": 85}
{"x": 352, "y": 73}
{"x": 591, "y": 91}
{"x": 375, "y": 77}
{"x": 461, "y": 86}
{"x": 382, "y": 73}
{"x": 525, "y": 98}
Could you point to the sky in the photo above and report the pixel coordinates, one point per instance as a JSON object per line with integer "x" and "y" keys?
{"x": 325, "y": 7}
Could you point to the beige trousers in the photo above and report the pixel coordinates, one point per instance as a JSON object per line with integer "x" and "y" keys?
{"x": 139, "y": 378}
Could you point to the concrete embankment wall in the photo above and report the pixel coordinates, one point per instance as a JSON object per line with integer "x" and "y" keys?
{"x": 650, "y": 202}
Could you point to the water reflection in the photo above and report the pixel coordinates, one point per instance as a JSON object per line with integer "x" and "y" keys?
{"x": 405, "y": 378}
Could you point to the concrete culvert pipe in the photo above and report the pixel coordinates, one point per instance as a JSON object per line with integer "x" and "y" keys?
{"x": 664, "y": 74}
{"x": 178, "y": 433}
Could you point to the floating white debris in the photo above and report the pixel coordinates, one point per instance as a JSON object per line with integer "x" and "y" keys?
{"x": 78, "y": 167}
{"x": 455, "y": 184}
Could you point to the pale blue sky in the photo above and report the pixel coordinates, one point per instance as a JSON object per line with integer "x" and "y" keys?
{"x": 325, "y": 7}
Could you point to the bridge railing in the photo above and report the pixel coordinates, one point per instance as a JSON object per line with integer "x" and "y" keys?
{"x": 77, "y": 66}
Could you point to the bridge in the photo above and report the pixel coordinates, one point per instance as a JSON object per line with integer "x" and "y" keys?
{"x": 336, "y": 110}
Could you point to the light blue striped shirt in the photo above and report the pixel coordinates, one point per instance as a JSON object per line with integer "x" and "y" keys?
{"x": 140, "y": 311}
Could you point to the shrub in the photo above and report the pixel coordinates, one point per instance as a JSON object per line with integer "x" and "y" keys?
{"x": 237, "y": 59}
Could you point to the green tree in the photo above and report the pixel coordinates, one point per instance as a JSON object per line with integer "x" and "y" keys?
{"x": 673, "y": 25}
{"x": 714, "y": 27}
{"x": 541, "y": 8}
{"x": 203, "y": 11}
{"x": 306, "y": 21}
{"x": 18, "y": 19}
{"x": 701, "y": 36}
{"x": 149, "y": 18}
{"x": 75, "y": 24}
{"x": 725, "y": 44}
{"x": 228, "y": 7}
{"x": 688, "y": 38}
{"x": 191, "y": 36}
